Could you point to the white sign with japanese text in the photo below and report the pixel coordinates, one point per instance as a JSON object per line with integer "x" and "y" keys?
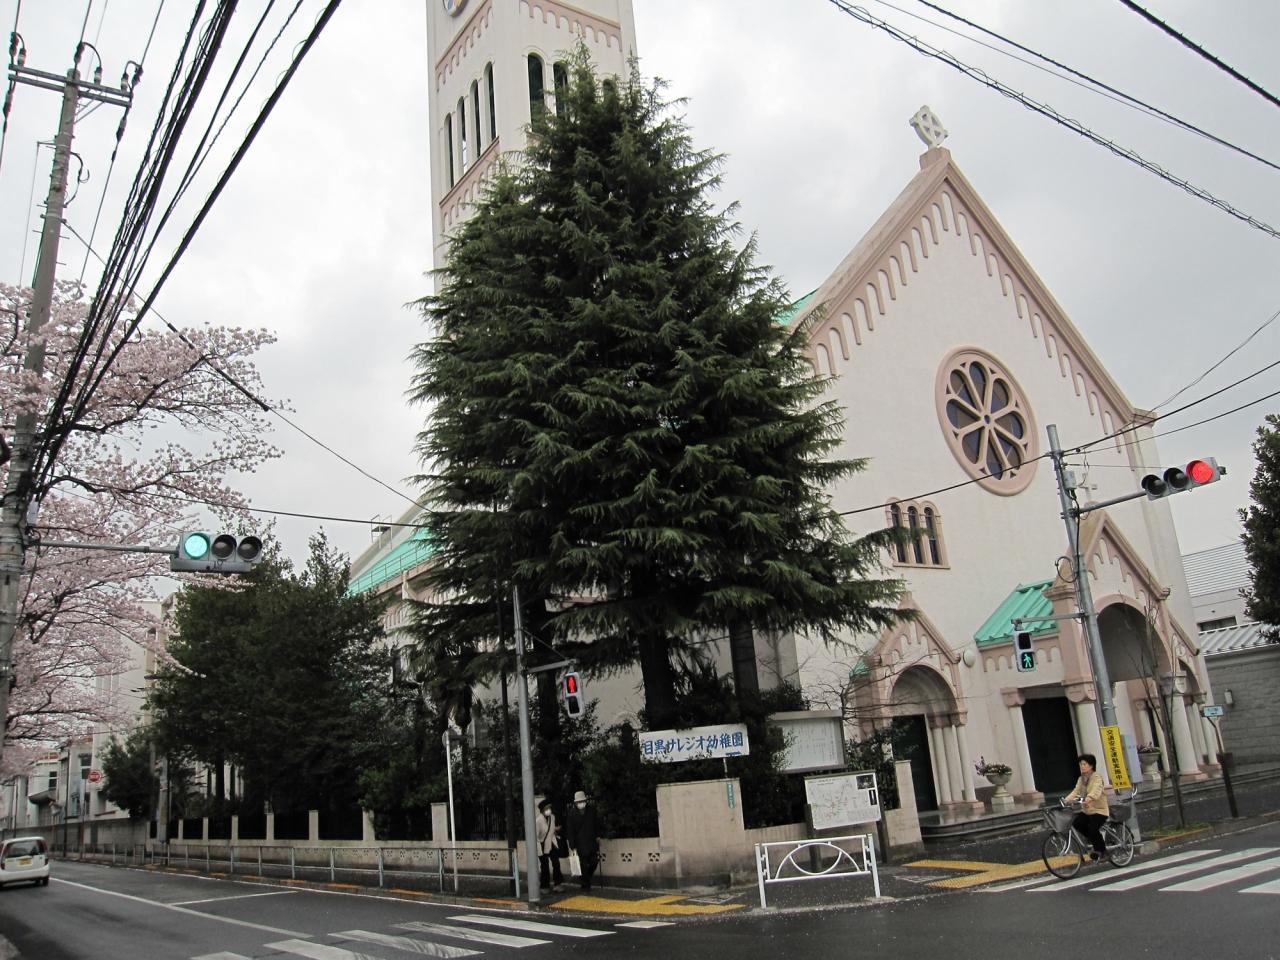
{"x": 696, "y": 743}
{"x": 843, "y": 799}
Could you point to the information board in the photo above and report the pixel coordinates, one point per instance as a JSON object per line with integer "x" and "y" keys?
{"x": 842, "y": 799}
{"x": 814, "y": 740}
{"x": 696, "y": 743}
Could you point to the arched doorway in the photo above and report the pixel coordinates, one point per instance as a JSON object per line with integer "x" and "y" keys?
{"x": 918, "y": 705}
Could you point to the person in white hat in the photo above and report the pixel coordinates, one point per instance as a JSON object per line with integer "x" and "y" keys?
{"x": 584, "y": 836}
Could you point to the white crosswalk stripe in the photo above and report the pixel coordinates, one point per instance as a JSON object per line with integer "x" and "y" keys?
{"x": 319, "y": 951}
{"x": 1272, "y": 886}
{"x": 1159, "y": 876}
{"x": 222, "y": 955}
{"x": 1138, "y": 867}
{"x": 424, "y": 948}
{"x": 533, "y": 926}
{"x": 1223, "y": 877}
{"x": 471, "y": 934}
{"x": 646, "y": 924}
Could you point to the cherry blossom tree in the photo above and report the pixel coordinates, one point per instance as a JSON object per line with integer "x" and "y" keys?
{"x": 158, "y": 443}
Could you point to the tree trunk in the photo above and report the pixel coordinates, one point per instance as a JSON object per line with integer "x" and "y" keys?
{"x": 659, "y": 681}
{"x": 219, "y": 777}
{"x": 742, "y": 651}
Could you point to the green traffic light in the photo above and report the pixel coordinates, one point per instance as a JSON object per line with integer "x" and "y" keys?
{"x": 195, "y": 545}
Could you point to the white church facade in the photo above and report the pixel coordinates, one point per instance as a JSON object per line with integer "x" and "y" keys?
{"x": 950, "y": 358}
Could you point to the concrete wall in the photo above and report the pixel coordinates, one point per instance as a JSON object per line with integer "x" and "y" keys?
{"x": 702, "y": 822}
{"x": 1251, "y": 726}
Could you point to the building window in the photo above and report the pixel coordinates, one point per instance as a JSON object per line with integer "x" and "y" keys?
{"x": 448, "y": 143}
{"x": 560, "y": 76}
{"x": 609, "y": 87}
{"x": 537, "y": 89}
{"x": 987, "y": 421}
{"x": 493, "y": 114}
{"x": 1219, "y": 624}
{"x": 462, "y": 133}
{"x": 475, "y": 114}
{"x": 923, "y": 547}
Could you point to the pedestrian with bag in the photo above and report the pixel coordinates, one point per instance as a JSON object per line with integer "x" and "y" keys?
{"x": 549, "y": 843}
{"x": 584, "y": 836}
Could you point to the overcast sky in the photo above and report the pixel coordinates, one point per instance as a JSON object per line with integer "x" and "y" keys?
{"x": 324, "y": 234}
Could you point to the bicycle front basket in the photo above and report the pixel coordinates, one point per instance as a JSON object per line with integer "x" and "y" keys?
{"x": 1058, "y": 819}
{"x": 1120, "y": 812}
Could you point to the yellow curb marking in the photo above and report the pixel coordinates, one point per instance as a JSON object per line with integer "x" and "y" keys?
{"x": 648, "y": 907}
{"x": 407, "y": 893}
{"x": 982, "y": 872}
{"x": 505, "y": 901}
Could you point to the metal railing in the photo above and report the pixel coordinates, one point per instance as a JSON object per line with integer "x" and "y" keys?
{"x": 779, "y": 862}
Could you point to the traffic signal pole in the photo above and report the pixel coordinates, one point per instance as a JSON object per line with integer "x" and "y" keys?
{"x": 526, "y": 756}
{"x": 1105, "y": 704}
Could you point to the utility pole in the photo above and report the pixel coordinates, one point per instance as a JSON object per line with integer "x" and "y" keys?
{"x": 526, "y": 755}
{"x": 17, "y": 488}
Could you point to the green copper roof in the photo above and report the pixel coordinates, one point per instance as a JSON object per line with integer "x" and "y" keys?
{"x": 1028, "y": 600}
{"x": 795, "y": 309}
{"x": 404, "y": 557}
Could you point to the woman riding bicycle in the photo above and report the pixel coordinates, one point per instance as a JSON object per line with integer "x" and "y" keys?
{"x": 1088, "y": 792}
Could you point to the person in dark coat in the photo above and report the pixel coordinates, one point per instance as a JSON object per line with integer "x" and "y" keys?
{"x": 584, "y": 836}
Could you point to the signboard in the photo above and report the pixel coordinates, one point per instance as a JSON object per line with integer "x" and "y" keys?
{"x": 1211, "y": 710}
{"x": 696, "y": 743}
{"x": 1113, "y": 750}
{"x": 814, "y": 740}
{"x": 95, "y": 776}
{"x": 842, "y": 799}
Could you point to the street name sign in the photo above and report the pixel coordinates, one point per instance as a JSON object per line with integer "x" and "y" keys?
{"x": 1211, "y": 710}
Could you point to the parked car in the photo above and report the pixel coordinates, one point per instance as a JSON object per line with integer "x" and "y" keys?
{"x": 23, "y": 859}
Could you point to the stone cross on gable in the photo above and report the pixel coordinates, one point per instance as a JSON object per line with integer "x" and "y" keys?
{"x": 928, "y": 127}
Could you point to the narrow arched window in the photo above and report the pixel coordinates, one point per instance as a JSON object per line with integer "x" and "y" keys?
{"x": 609, "y": 87}
{"x": 448, "y": 143}
{"x": 895, "y": 517}
{"x": 560, "y": 76}
{"x": 493, "y": 113}
{"x": 475, "y": 114}
{"x": 913, "y": 524}
{"x": 931, "y": 535}
{"x": 464, "y": 158}
{"x": 537, "y": 89}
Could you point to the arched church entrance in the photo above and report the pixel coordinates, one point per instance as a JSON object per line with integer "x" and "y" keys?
{"x": 920, "y": 701}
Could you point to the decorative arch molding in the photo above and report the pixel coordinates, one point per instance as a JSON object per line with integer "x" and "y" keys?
{"x": 909, "y": 645}
{"x": 451, "y": 60}
{"x": 937, "y": 207}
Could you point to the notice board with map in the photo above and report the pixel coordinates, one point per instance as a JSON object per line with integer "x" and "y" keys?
{"x": 841, "y": 799}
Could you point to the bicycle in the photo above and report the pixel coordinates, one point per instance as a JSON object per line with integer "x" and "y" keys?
{"x": 1065, "y": 848}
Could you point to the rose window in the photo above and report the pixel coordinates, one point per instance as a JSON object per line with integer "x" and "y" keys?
{"x": 987, "y": 421}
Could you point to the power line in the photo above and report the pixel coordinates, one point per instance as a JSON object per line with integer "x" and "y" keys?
{"x": 1192, "y": 45}
{"x": 859, "y": 13}
{"x": 1232, "y": 352}
{"x": 1089, "y": 82}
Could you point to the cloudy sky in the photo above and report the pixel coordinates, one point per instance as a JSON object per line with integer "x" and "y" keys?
{"x": 324, "y": 234}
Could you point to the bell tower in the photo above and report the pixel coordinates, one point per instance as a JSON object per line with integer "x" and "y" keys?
{"x": 494, "y": 62}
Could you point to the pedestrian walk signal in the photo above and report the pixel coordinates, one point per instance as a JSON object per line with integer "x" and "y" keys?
{"x": 1023, "y": 654}
{"x": 573, "y": 702}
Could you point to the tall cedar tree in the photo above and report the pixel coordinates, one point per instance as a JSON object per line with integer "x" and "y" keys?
{"x": 1262, "y": 531}
{"x": 619, "y": 423}
{"x": 285, "y": 678}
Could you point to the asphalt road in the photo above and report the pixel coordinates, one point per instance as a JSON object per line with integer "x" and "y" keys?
{"x": 1215, "y": 898}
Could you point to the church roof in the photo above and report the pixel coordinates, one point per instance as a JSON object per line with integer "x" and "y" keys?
{"x": 1218, "y": 568}
{"x": 1027, "y": 600}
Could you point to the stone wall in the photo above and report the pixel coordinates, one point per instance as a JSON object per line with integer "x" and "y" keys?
{"x": 1251, "y": 725}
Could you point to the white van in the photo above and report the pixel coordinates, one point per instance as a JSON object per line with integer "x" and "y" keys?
{"x": 23, "y": 859}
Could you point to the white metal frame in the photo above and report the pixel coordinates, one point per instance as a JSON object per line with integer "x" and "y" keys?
{"x": 777, "y": 862}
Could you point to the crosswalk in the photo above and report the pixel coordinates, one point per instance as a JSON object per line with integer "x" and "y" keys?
{"x": 1189, "y": 871}
{"x": 463, "y": 935}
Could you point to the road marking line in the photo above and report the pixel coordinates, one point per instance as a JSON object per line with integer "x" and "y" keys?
{"x": 1225, "y": 876}
{"x": 193, "y": 913}
{"x": 1147, "y": 865}
{"x": 535, "y": 927}
{"x": 223, "y": 955}
{"x": 408, "y": 944}
{"x": 1161, "y": 875}
{"x": 660, "y": 906}
{"x": 646, "y": 924}
{"x": 1271, "y": 886}
{"x": 470, "y": 933}
{"x": 319, "y": 951}
{"x": 239, "y": 896}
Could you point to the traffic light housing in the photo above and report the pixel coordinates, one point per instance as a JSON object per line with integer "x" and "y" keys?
{"x": 1024, "y": 655}
{"x": 1177, "y": 479}
{"x": 200, "y": 552}
{"x": 571, "y": 685}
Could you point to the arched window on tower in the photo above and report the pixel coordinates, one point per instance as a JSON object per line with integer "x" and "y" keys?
{"x": 493, "y": 113}
{"x": 464, "y": 158}
{"x": 475, "y": 116}
{"x": 609, "y": 87}
{"x": 537, "y": 89}
{"x": 560, "y": 76}
{"x": 921, "y": 522}
{"x": 448, "y": 146}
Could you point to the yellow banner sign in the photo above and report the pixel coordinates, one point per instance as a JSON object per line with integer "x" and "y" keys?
{"x": 1113, "y": 747}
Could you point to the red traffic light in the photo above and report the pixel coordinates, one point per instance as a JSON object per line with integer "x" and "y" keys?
{"x": 1204, "y": 471}
{"x": 571, "y": 683}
